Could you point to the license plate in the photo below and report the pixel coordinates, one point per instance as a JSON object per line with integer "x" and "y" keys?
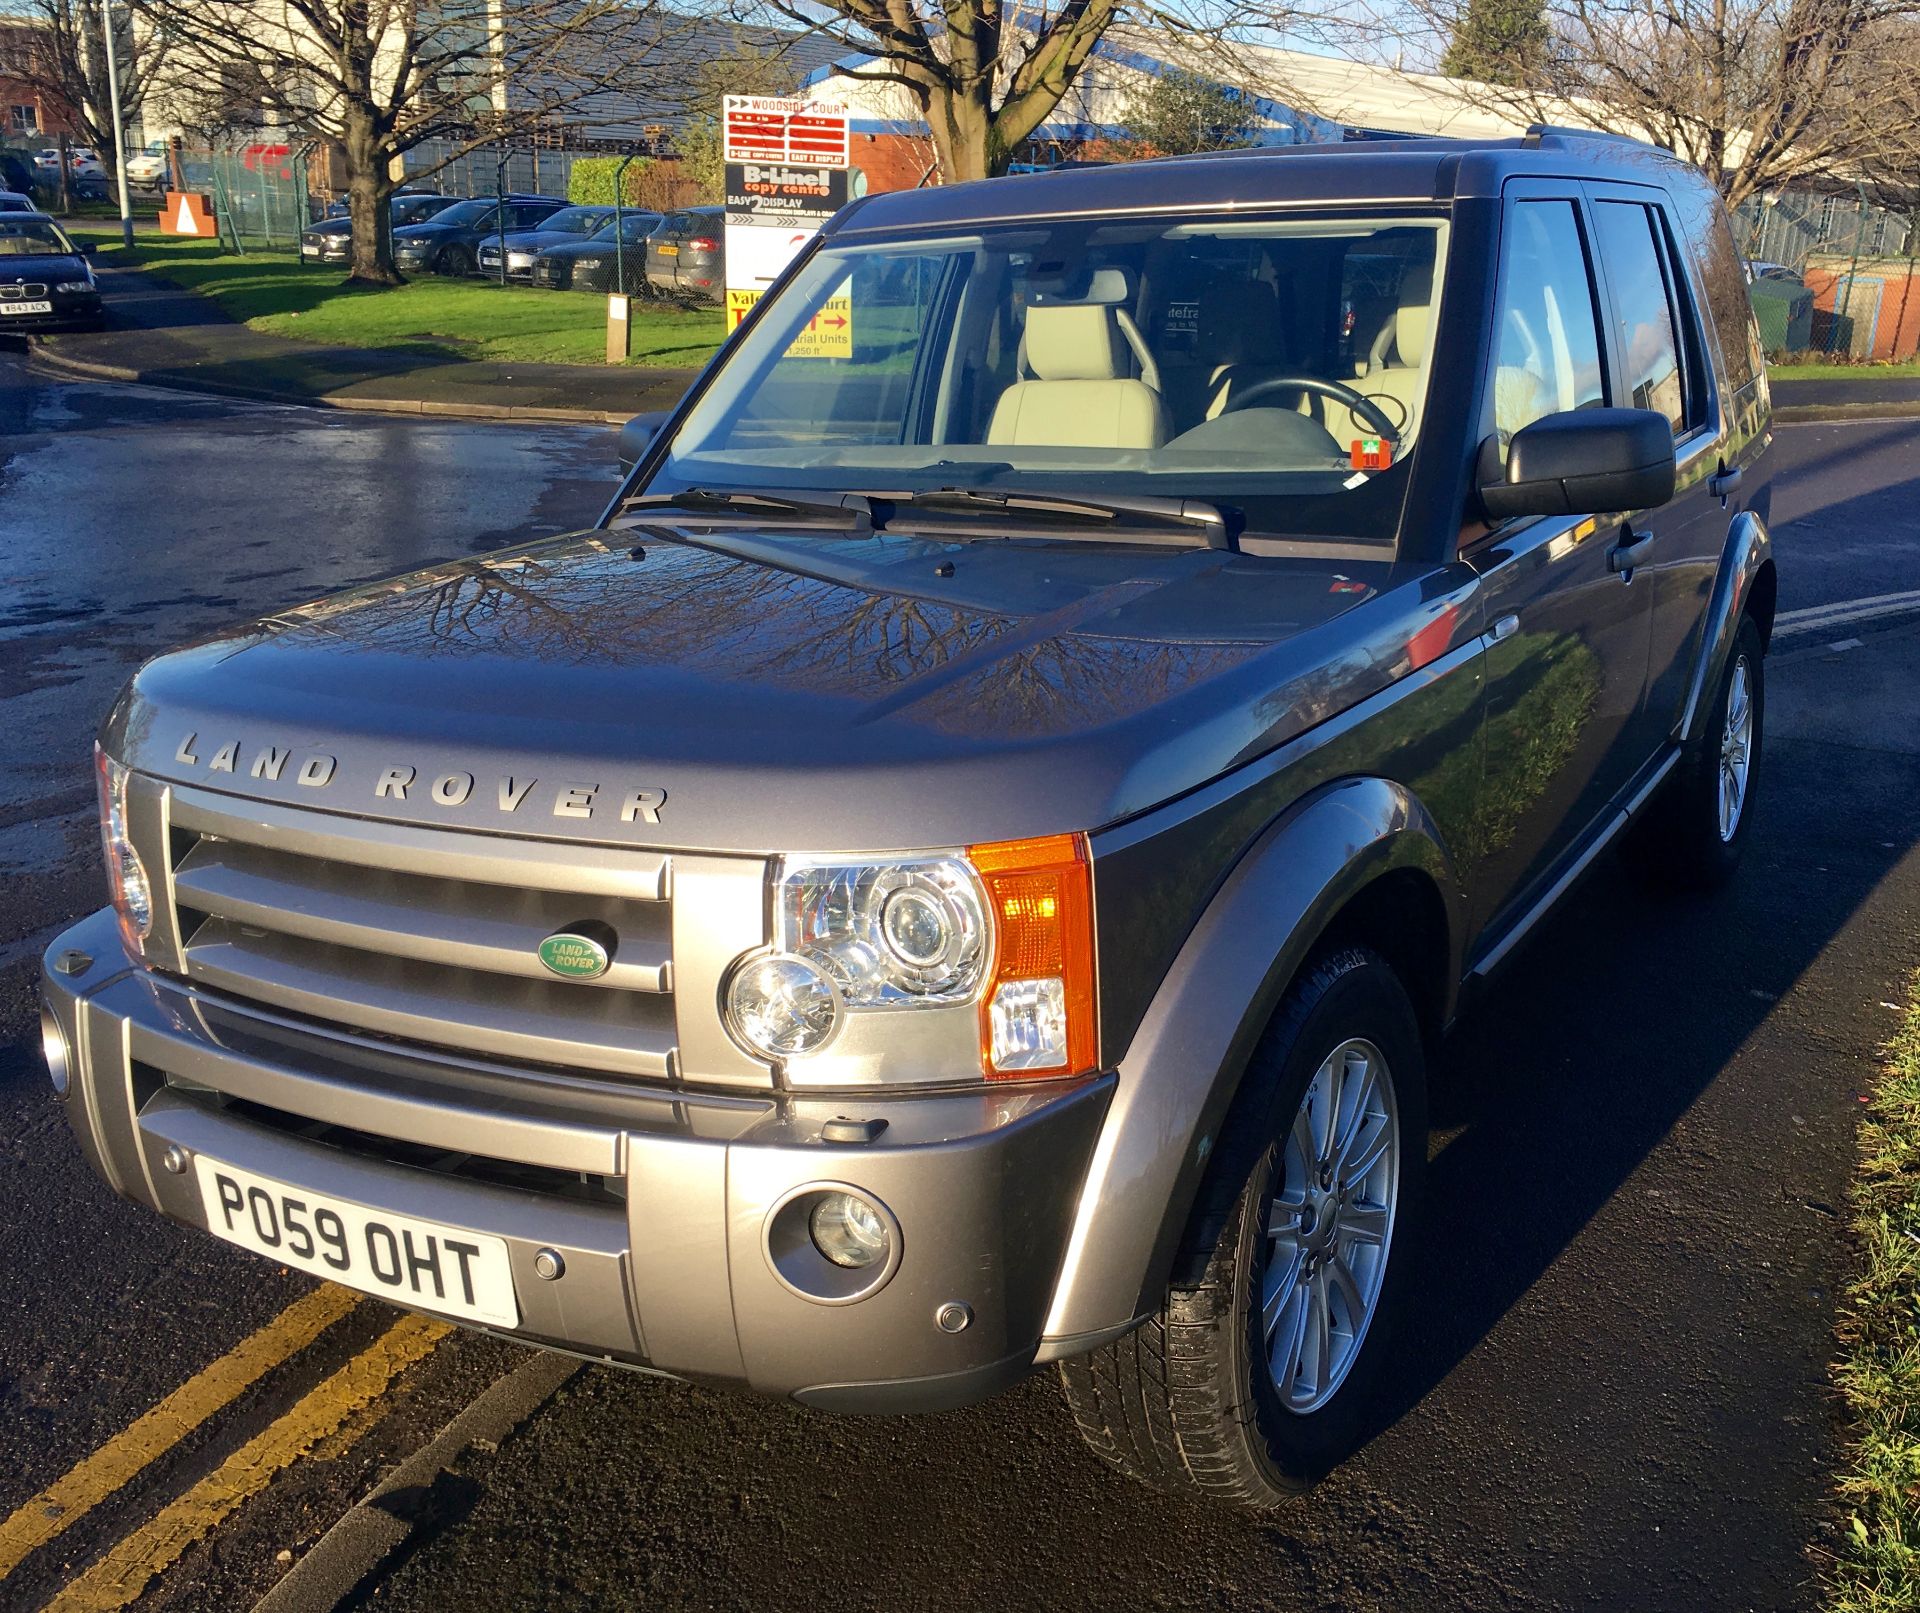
{"x": 444, "y": 1269}
{"x": 26, "y": 307}
{"x": 309, "y": 251}
{"x": 669, "y": 252}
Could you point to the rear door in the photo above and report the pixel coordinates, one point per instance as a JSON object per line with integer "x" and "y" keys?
{"x": 1567, "y": 634}
{"x": 1665, "y": 364}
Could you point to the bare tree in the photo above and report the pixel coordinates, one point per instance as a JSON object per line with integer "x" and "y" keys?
{"x": 1757, "y": 93}
{"x": 379, "y": 77}
{"x": 63, "y": 56}
{"x": 986, "y": 74}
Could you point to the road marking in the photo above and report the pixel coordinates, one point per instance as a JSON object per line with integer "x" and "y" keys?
{"x": 156, "y": 1432}
{"x": 1842, "y": 612}
{"x": 120, "y": 1576}
{"x": 1849, "y": 420}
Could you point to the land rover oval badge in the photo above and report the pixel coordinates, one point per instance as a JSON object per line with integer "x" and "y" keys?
{"x": 575, "y": 956}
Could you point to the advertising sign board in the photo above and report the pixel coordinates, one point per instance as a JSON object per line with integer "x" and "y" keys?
{"x": 787, "y": 173}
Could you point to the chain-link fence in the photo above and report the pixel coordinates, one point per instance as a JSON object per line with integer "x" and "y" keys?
{"x": 261, "y": 190}
{"x": 1834, "y": 274}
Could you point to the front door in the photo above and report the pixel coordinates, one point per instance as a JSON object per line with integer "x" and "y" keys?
{"x": 1567, "y": 631}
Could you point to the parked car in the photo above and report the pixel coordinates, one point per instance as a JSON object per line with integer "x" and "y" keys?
{"x": 590, "y": 265}
{"x": 331, "y": 240}
{"x": 866, "y": 971}
{"x": 80, "y": 159}
{"x": 1757, "y": 270}
{"x": 338, "y": 207}
{"x": 148, "y": 169}
{"x": 13, "y": 201}
{"x": 686, "y": 256}
{"x": 46, "y": 281}
{"x": 18, "y": 174}
{"x": 569, "y": 225}
{"x": 450, "y": 241}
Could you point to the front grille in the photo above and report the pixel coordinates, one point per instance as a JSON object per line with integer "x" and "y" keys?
{"x": 37, "y": 288}
{"x": 426, "y": 937}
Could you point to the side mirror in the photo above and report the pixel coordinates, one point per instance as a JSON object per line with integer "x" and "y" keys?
{"x": 1578, "y": 462}
{"x": 637, "y": 435}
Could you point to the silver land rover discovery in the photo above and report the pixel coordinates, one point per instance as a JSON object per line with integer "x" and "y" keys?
{"x": 964, "y": 867}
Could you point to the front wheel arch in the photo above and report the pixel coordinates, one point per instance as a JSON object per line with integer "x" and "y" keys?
{"x": 1295, "y": 888}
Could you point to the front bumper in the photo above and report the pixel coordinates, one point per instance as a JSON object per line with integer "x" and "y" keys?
{"x": 70, "y": 309}
{"x": 657, "y": 1200}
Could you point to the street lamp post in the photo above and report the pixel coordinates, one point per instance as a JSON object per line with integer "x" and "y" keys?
{"x": 119, "y": 128}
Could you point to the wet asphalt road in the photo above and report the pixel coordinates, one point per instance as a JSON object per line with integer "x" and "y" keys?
{"x": 1618, "y": 1397}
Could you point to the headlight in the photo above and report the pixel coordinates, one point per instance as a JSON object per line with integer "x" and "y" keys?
{"x": 126, "y": 879}
{"x": 73, "y": 285}
{"x": 519, "y": 260}
{"x": 781, "y": 1006}
{"x": 1002, "y": 934}
{"x": 908, "y": 931}
{"x": 588, "y": 263}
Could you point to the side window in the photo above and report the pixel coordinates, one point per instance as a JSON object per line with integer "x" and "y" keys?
{"x": 1546, "y": 339}
{"x": 1644, "y": 310}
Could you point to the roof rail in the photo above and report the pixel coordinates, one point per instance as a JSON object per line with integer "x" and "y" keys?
{"x": 1538, "y": 134}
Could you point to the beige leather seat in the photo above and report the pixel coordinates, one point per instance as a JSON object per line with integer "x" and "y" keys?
{"x": 1083, "y": 392}
{"x": 1394, "y": 374}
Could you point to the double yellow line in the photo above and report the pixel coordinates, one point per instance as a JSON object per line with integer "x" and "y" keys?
{"x": 128, "y": 1567}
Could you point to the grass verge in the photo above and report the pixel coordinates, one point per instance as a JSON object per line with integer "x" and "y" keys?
{"x": 429, "y": 318}
{"x": 1878, "y": 1565}
{"x": 1844, "y": 370}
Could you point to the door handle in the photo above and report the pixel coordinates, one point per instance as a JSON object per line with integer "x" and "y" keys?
{"x": 1627, "y": 554}
{"x": 1723, "y": 484}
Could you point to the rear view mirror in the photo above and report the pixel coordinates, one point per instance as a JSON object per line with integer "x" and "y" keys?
{"x": 637, "y": 435}
{"x": 1578, "y": 463}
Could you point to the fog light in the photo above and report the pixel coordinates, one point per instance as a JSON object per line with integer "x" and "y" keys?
{"x": 53, "y": 1043}
{"x": 848, "y": 1231}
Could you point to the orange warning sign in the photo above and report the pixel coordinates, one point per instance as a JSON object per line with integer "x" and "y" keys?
{"x": 188, "y": 212}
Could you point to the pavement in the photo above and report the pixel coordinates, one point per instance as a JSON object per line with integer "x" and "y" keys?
{"x": 1615, "y": 1391}
{"x": 162, "y": 336}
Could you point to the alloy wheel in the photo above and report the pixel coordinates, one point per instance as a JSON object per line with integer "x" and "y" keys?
{"x": 1736, "y": 749}
{"x": 1329, "y": 1226}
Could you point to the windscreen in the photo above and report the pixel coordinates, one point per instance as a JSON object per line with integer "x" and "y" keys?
{"x": 1276, "y": 366}
{"x": 464, "y": 213}
{"x": 577, "y": 220}
{"x": 26, "y": 238}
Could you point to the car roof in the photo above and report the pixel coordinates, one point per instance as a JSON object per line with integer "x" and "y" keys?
{"x": 1429, "y": 171}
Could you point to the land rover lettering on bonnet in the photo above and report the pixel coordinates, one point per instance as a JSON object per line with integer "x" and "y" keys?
{"x": 1086, "y": 686}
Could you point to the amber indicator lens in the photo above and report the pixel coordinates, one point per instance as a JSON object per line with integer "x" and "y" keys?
{"x": 1037, "y": 1013}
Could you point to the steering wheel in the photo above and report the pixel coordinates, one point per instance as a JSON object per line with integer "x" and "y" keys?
{"x": 1362, "y": 405}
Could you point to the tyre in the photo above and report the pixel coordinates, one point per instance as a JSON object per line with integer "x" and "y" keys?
{"x": 453, "y": 260}
{"x": 1694, "y": 833}
{"x": 1257, "y": 1374}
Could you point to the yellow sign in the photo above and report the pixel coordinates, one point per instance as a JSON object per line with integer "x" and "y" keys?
{"x": 829, "y": 334}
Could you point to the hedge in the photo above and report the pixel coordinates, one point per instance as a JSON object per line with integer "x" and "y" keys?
{"x": 591, "y": 180}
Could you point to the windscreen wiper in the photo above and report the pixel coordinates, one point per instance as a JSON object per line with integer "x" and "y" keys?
{"x": 746, "y": 505}
{"x": 1183, "y": 517}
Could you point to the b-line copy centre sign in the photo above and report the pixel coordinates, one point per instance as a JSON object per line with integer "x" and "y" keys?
{"x": 787, "y": 173}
